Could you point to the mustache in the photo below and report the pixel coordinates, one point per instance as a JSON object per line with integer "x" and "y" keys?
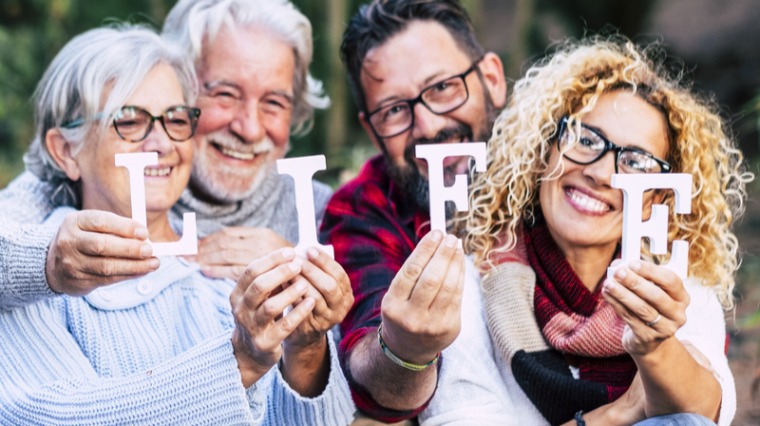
{"x": 459, "y": 133}
{"x": 235, "y": 143}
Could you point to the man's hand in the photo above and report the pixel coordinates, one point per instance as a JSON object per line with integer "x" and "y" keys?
{"x": 95, "y": 248}
{"x": 226, "y": 253}
{"x": 258, "y": 304}
{"x": 421, "y": 312}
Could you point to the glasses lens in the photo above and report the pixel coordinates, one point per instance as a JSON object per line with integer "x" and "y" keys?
{"x": 446, "y": 95}
{"x": 584, "y": 147}
{"x": 179, "y": 122}
{"x": 132, "y": 123}
{"x": 637, "y": 162}
{"x": 392, "y": 119}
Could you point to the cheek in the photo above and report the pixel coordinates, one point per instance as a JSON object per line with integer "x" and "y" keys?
{"x": 212, "y": 119}
{"x": 278, "y": 130}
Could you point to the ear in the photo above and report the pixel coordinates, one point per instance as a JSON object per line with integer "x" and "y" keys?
{"x": 492, "y": 71}
{"x": 60, "y": 149}
{"x": 368, "y": 129}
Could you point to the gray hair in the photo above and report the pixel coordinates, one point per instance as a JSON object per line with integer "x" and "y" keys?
{"x": 191, "y": 22}
{"x": 118, "y": 57}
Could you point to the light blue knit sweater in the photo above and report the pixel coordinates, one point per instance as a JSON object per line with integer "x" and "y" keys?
{"x": 155, "y": 350}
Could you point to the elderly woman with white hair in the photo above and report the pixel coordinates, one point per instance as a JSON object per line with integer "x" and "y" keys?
{"x": 167, "y": 348}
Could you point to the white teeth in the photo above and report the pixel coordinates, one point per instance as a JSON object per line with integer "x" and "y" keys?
{"x": 163, "y": 171}
{"x": 587, "y": 202}
{"x": 237, "y": 154}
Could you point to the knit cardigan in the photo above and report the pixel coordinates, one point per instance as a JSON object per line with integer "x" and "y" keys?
{"x": 477, "y": 386}
{"x": 26, "y": 202}
{"x": 154, "y": 350}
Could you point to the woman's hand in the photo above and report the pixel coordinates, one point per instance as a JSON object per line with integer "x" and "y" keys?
{"x": 258, "y": 306}
{"x": 651, "y": 299}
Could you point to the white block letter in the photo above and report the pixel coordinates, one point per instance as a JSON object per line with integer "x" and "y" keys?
{"x": 302, "y": 169}
{"x": 656, "y": 228}
{"x": 439, "y": 194}
{"x": 135, "y": 164}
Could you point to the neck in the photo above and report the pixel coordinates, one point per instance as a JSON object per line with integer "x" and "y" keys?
{"x": 590, "y": 264}
{"x": 160, "y": 229}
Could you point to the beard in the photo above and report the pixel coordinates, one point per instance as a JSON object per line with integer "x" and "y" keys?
{"x": 408, "y": 177}
{"x": 220, "y": 183}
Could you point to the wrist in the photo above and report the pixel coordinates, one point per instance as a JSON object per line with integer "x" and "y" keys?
{"x": 412, "y": 366}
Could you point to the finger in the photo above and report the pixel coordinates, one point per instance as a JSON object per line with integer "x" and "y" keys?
{"x": 250, "y": 275}
{"x": 321, "y": 306}
{"x": 406, "y": 278}
{"x": 110, "y": 223}
{"x": 109, "y": 269}
{"x": 285, "y": 326}
{"x": 665, "y": 279}
{"x": 449, "y": 298}
{"x": 110, "y": 246}
{"x": 230, "y": 272}
{"x": 635, "y": 307}
{"x": 650, "y": 294}
{"x": 264, "y": 264}
{"x": 327, "y": 276}
{"x": 434, "y": 274}
{"x": 262, "y": 287}
{"x": 274, "y": 306}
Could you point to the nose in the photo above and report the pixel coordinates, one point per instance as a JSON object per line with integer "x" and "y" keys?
{"x": 426, "y": 124}
{"x": 247, "y": 123}
{"x": 602, "y": 169}
{"x": 158, "y": 140}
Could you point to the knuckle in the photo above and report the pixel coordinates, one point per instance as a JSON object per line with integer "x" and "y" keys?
{"x": 269, "y": 309}
{"x": 412, "y": 271}
{"x": 287, "y": 324}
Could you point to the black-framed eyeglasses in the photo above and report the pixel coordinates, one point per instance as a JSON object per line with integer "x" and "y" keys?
{"x": 439, "y": 98}
{"x": 589, "y": 146}
{"x": 134, "y": 124}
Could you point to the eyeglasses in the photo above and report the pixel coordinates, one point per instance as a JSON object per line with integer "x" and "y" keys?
{"x": 134, "y": 124}
{"x": 439, "y": 98}
{"x": 589, "y": 146}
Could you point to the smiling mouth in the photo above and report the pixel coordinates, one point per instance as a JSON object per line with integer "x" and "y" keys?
{"x": 586, "y": 203}
{"x": 240, "y": 155}
{"x": 157, "y": 171}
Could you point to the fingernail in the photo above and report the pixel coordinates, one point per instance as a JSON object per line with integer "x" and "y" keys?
{"x": 450, "y": 241}
{"x": 608, "y": 285}
{"x": 312, "y": 252}
{"x": 309, "y": 302}
{"x": 621, "y": 273}
{"x": 141, "y": 234}
{"x": 436, "y": 236}
{"x": 146, "y": 250}
{"x": 154, "y": 263}
{"x": 616, "y": 262}
{"x": 635, "y": 265}
{"x": 288, "y": 253}
{"x": 295, "y": 265}
{"x": 300, "y": 286}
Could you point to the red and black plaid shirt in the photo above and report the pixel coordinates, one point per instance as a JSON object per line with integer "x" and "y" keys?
{"x": 373, "y": 229}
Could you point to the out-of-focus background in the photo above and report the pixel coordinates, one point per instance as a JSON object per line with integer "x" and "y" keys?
{"x": 717, "y": 40}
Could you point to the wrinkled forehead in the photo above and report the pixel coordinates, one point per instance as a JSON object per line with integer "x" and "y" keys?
{"x": 412, "y": 59}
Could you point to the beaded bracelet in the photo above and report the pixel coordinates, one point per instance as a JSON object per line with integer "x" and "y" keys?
{"x": 398, "y": 361}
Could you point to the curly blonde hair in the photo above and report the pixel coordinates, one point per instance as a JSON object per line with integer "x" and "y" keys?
{"x": 569, "y": 82}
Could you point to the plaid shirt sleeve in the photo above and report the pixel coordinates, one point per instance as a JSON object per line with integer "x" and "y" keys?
{"x": 371, "y": 240}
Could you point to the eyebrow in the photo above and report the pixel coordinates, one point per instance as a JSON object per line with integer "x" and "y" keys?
{"x": 426, "y": 83}
{"x": 216, "y": 83}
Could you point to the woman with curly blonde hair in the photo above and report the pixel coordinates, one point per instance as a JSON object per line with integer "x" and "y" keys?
{"x": 546, "y": 336}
